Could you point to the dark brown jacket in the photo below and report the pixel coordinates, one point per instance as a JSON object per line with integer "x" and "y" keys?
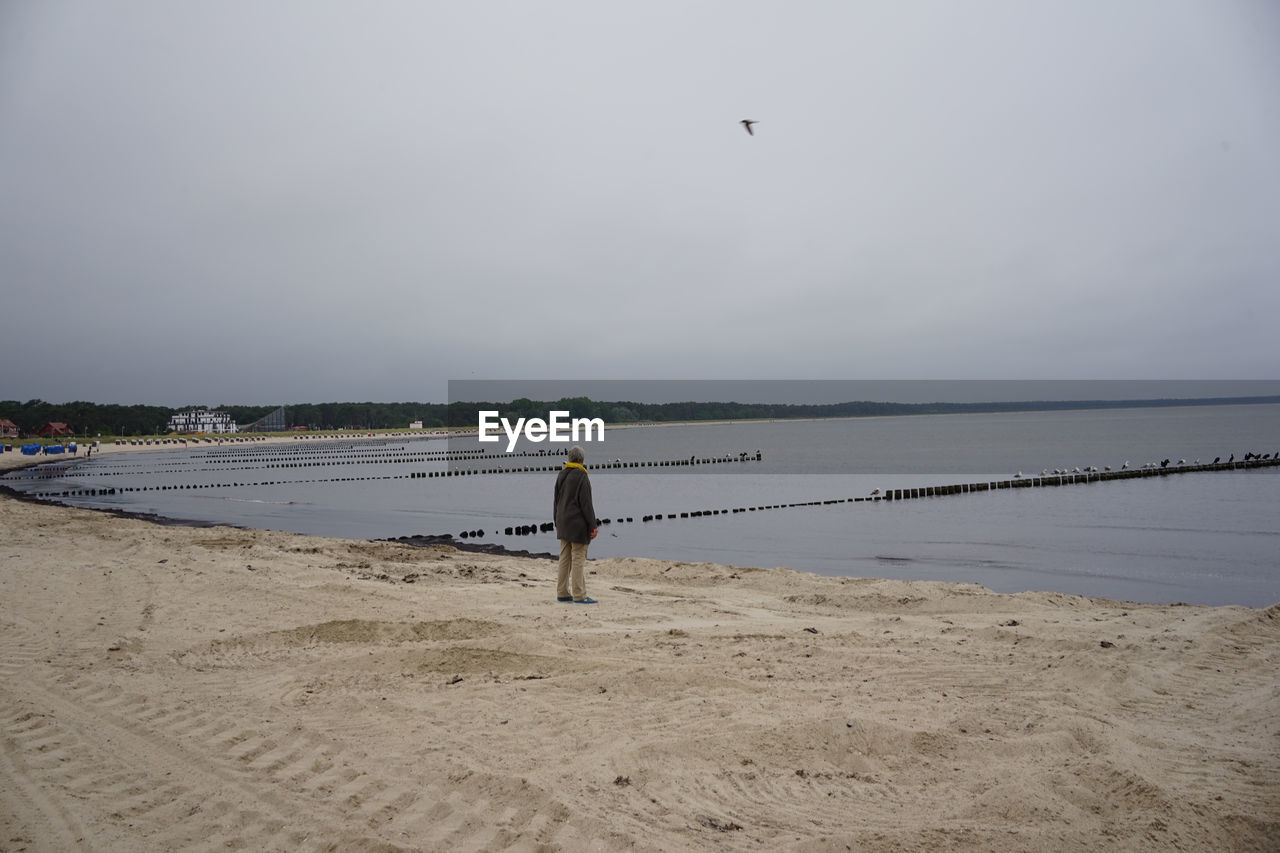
{"x": 575, "y": 516}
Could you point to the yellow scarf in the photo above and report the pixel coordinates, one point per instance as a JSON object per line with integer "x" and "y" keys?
{"x": 575, "y": 465}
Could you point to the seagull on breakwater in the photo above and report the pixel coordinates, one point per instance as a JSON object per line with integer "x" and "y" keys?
{"x": 746, "y": 122}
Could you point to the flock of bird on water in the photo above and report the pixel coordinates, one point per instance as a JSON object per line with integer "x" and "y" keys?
{"x": 1164, "y": 463}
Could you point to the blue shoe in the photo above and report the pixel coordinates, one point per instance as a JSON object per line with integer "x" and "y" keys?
{"x": 587, "y": 600}
{"x": 558, "y": 598}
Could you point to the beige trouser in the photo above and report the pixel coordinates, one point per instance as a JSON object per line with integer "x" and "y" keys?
{"x": 573, "y": 563}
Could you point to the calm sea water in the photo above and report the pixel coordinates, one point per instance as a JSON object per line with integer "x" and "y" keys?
{"x": 1201, "y": 538}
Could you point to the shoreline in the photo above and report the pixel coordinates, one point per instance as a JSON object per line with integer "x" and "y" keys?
{"x": 519, "y": 549}
{"x": 199, "y": 688}
{"x": 420, "y": 541}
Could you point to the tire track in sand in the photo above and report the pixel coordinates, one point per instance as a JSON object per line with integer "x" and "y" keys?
{"x": 214, "y": 780}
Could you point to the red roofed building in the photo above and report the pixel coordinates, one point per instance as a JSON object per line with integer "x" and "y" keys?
{"x": 8, "y": 429}
{"x": 53, "y": 429}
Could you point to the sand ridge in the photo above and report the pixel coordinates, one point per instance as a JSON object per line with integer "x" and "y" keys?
{"x": 212, "y": 688}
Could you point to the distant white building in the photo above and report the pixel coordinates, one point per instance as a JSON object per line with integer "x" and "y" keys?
{"x": 202, "y": 420}
{"x": 415, "y": 425}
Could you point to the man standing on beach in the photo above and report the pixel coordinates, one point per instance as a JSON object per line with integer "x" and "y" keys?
{"x": 575, "y": 527}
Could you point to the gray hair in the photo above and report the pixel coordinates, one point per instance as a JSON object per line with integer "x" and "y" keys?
{"x": 576, "y": 454}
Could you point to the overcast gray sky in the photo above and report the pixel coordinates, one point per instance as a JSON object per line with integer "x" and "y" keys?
{"x": 244, "y": 202}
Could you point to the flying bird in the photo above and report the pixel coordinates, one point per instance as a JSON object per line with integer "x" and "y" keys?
{"x": 746, "y": 122}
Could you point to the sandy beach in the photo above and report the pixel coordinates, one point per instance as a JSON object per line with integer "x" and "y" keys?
{"x": 183, "y": 688}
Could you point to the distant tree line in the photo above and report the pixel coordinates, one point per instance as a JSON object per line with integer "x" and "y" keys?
{"x": 87, "y": 418}
{"x": 466, "y": 414}
{"x": 111, "y": 419}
